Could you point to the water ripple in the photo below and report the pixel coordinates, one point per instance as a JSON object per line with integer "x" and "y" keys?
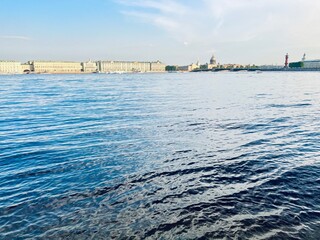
{"x": 160, "y": 156}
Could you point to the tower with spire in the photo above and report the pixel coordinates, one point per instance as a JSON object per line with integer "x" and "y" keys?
{"x": 198, "y": 62}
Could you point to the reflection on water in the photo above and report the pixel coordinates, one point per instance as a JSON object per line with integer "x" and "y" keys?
{"x": 210, "y": 155}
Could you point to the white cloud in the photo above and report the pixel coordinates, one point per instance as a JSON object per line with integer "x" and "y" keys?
{"x": 164, "y": 6}
{"x": 269, "y": 24}
{"x": 15, "y": 37}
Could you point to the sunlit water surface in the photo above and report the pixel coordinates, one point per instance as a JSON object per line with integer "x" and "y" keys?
{"x": 160, "y": 156}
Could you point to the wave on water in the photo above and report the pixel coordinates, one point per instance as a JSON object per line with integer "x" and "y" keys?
{"x": 132, "y": 157}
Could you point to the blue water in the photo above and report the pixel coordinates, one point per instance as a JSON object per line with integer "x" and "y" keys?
{"x": 160, "y": 156}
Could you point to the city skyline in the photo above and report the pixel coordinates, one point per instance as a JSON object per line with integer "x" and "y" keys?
{"x": 175, "y": 32}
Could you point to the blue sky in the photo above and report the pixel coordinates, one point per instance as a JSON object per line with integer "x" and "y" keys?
{"x": 173, "y": 31}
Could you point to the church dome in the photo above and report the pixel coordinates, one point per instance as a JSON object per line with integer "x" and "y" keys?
{"x": 213, "y": 60}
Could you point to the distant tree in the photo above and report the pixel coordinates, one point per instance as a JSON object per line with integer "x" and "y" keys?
{"x": 171, "y": 68}
{"x": 296, "y": 65}
{"x": 204, "y": 67}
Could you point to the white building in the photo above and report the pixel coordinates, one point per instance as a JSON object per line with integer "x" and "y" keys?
{"x": 89, "y": 67}
{"x": 10, "y": 67}
{"x": 213, "y": 63}
{"x": 125, "y": 66}
{"x": 311, "y": 64}
{"x": 56, "y": 67}
{"x": 157, "y": 66}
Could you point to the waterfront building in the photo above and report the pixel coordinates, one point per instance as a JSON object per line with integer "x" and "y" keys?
{"x": 89, "y": 67}
{"x": 306, "y": 64}
{"x": 311, "y": 64}
{"x": 189, "y": 68}
{"x": 10, "y": 67}
{"x": 157, "y": 66}
{"x": 184, "y": 68}
{"x": 213, "y": 63}
{"x": 213, "y": 60}
{"x": 197, "y": 66}
{"x": 194, "y": 66}
{"x": 55, "y": 67}
{"x": 234, "y": 66}
{"x": 51, "y": 67}
{"x": 27, "y": 67}
{"x": 126, "y": 66}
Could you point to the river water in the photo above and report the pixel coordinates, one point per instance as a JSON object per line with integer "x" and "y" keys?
{"x": 160, "y": 156}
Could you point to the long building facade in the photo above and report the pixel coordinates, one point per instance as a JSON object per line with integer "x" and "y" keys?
{"x": 125, "y": 66}
{"x": 64, "y": 67}
{"x": 157, "y": 67}
{"x": 311, "y": 64}
{"x": 10, "y": 67}
{"x": 305, "y": 64}
{"x": 55, "y": 67}
{"x": 89, "y": 67}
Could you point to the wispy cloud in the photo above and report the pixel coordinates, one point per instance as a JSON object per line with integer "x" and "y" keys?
{"x": 165, "y": 14}
{"x": 24, "y": 38}
{"x": 164, "y": 6}
{"x": 216, "y": 21}
{"x": 246, "y": 31}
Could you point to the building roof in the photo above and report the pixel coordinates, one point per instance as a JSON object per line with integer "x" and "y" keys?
{"x": 316, "y": 60}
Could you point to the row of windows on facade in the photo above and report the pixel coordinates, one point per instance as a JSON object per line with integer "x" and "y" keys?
{"x": 9, "y": 69}
{"x": 56, "y": 66}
